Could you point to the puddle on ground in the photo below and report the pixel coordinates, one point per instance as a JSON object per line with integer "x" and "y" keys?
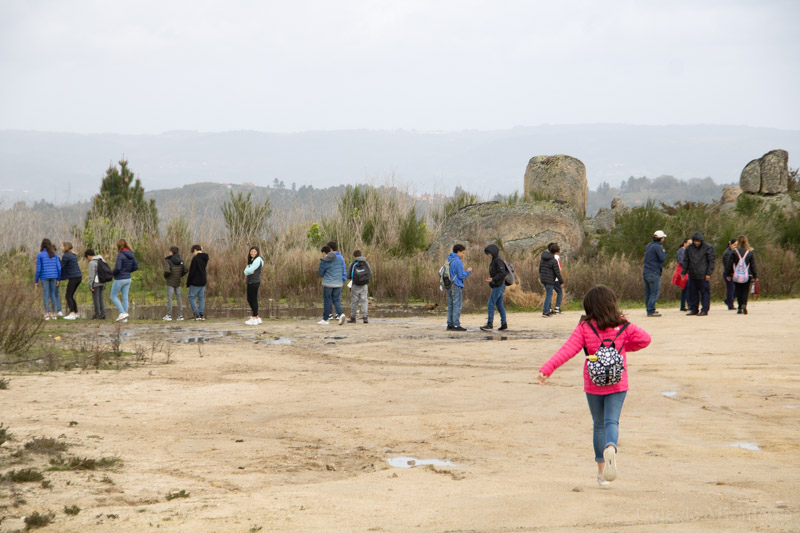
{"x": 493, "y": 338}
{"x": 670, "y": 394}
{"x": 276, "y": 340}
{"x": 746, "y": 446}
{"x": 337, "y": 337}
{"x": 411, "y": 462}
{"x": 198, "y": 340}
{"x": 792, "y": 406}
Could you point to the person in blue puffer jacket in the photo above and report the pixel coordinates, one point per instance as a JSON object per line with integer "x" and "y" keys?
{"x": 71, "y": 273}
{"x": 125, "y": 265}
{"x": 48, "y": 271}
{"x": 331, "y": 271}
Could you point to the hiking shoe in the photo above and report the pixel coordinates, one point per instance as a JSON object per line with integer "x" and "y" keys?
{"x": 692, "y": 313}
{"x": 702, "y": 313}
{"x": 487, "y": 327}
{"x": 459, "y": 328}
{"x": 610, "y": 456}
{"x": 323, "y": 322}
{"x": 341, "y": 319}
{"x": 167, "y": 318}
{"x": 545, "y": 315}
{"x": 654, "y": 314}
{"x": 449, "y": 328}
{"x": 744, "y": 310}
{"x": 351, "y": 320}
{"x": 602, "y": 482}
{"x": 683, "y": 309}
{"x": 502, "y": 327}
{"x": 366, "y": 320}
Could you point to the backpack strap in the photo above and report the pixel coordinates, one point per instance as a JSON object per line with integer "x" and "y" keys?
{"x": 625, "y": 325}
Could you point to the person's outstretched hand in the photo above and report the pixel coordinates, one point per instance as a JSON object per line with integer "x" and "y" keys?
{"x": 542, "y": 378}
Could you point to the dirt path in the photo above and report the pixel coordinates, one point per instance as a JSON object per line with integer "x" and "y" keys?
{"x": 296, "y": 437}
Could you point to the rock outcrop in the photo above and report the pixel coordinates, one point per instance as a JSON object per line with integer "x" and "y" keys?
{"x": 524, "y": 226}
{"x": 557, "y": 177}
{"x": 767, "y": 175}
{"x": 606, "y": 219}
{"x": 730, "y": 194}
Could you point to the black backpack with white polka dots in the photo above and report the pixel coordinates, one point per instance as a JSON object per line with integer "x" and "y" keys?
{"x": 605, "y": 366}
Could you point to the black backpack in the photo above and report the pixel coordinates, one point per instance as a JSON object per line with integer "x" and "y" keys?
{"x": 605, "y": 366}
{"x": 360, "y": 273}
{"x": 104, "y": 274}
{"x": 445, "y": 281}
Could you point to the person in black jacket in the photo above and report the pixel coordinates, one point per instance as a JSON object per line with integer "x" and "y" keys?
{"x": 744, "y": 253}
{"x": 730, "y": 288}
{"x": 71, "y": 272}
{"x": 196, "y": 282}
{"x": 698, "y": 262}
{"x": 549, "y": 274}
{"x": 174, "y": 270}
{"x": 497, "y": 282}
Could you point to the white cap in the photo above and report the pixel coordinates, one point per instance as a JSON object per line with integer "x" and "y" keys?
{"x": 659, "y": 234}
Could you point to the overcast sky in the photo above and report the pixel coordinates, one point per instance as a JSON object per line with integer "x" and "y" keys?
{"x": 152, "y": 66}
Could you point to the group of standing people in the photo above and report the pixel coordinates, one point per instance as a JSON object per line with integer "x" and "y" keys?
{"x": 696, "y": 260}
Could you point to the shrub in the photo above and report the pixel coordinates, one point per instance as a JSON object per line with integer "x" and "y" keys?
{"x": 26, "y": 475}
{"x": 37, "y": 519}
{"x": 20, "y": 318}
{"x": 45, "y": 446}
{"x": 72, "y": 510}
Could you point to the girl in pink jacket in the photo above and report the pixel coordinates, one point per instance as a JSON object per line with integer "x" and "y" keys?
{"x": 605, "y": 402}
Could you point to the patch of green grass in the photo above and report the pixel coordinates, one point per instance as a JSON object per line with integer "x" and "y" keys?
{"x": 72, "y": 510}
{"x": 82, "y": 463}
{"x": 46, "y": 446}
{"x": 177, "y": 494}
{"x": 26, "y": 475}
{"x": 36, "y": 520}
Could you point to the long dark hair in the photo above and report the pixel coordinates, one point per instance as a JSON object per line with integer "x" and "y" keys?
{"x": 600, "y": 304}
{"x": 250, "y": 259}
{"x": 47, "y": 245}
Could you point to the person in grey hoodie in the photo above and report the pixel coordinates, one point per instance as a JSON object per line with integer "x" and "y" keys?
{"x": 359, "y": 273}
{"x": 332, "y": 272}
{"x": 174, "y": 270}
{"x": 698, "y": 262}
{"x": 95, "y": 285}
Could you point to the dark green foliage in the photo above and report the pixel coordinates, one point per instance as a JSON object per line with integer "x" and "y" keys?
{"x": 36, "y": 519}
{"x": 789, "y": 231}
{"x": 246, "y": 219}
{"x": 45, "y": 446}
{"x": 26, "y": 475}
{"x": 634, "y": 230}
{"x": 72, "y": 510}
{"x": 177, "y": 494}
{"x": 81, "y": 463}
{"x": 3, "y": 384}
{"x": 413, "y": 233}
{"x": 748, "y": 204}
{"x": 460, "y": 200}
{"x": 4, "y": 434}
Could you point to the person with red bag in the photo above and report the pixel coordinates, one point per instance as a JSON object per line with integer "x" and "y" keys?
{"x": 677, "y": 279}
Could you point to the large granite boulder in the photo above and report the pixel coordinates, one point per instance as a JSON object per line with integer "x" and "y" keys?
{"x": 767, "y": 175}
{"x": 524, "y": 226}
{"x": 557, "y": 177}
{"x": 606, "y": 219}
{"x": 730, "y": 194}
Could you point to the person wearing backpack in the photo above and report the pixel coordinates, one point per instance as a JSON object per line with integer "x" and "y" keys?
{"x": 742, "y": 271}
{"x": 174, "y": 270}
{"x": 549, "y": 275}
{"x": 497, "y": 282}
{"x": 99, "y": 274}
{"x": 698, "y": 262}
{"x": 603, "y": 329}
{"x": 124, "y": 266}
{"x": 727, "y": 260}
{"x": 456, "y": 274}
{"x": 359, "y": 273}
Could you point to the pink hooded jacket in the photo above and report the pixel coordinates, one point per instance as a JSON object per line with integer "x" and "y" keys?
{"x": 632, "y": 339}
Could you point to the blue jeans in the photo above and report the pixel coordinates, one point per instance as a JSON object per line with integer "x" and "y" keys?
{"x": 559, "y": 294}
{"x": 652, "y": 286}
{"x": 50, "y": 294}
{"x": 120, "y": 285}
{"x": 331, "y": 298}
{"x": 730, "y": 292}
{"x": 605, "y": 409}
{"x": 683, "y": 299}
{"x": 197, "y": 293}
{"x": 454, "y": 306}
{"x": 699, "y": 294}
{"x": 496, "y": 299}
{"x": 548, "y": 298}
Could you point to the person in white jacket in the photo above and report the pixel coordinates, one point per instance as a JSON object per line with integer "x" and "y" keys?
{"x": 253, "y": 273}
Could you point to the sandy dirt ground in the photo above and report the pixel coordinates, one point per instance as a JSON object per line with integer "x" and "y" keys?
{"x": 296, "y": 437}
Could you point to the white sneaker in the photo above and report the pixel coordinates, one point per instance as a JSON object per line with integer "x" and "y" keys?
{"x": 122, "y": 317}
{"x": 252, "y": 322}
{"x": 167, "y": 318}
{"x": 323, "y": 322}
{"x": 59, "y": 314}
{"x": 259, "y": 319}
{"x": 70, "y": 317}
{"x": 610, "y": 456}
{"x": 602, "y": 482}
{"x": 341, "y": 319}
{"x": 180, "y": 318}
{"x": 124, "y": 320}
{"x": 47, "y": 317}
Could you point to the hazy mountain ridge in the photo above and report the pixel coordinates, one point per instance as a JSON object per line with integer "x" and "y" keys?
{"x": 65, "y": 167}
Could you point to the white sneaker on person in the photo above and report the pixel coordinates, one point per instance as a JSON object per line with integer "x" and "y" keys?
{"x": 167, "y": 318}
{"x": 70, "y": 317}
{"x": 323, "y": 322}
{"x": 259, "y": 319}
{"x": 341, "y": 318}
{"x": 610, "y": 456}
{"x": 252, "y": 322}
{"x": 122, "y": 317}
{"x": 124, "y": 320}
{"x": 59, "y": 314}
{"x": 47, "y": 317}
{"x": 602, "y": 482}
{"x": 180, "y": 318}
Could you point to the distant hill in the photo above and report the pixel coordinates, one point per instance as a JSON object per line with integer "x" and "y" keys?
{"x": 67, "y": 167}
